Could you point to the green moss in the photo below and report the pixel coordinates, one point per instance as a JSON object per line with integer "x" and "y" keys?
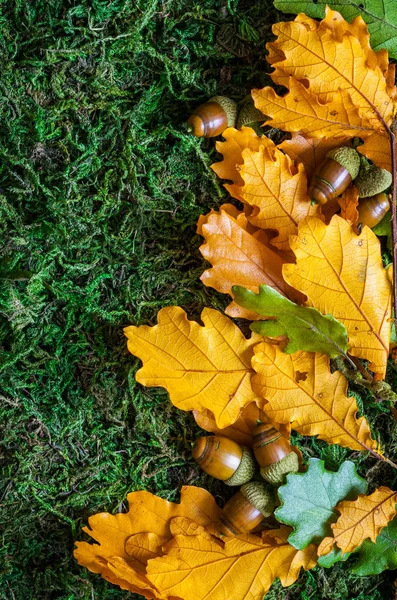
{"x": 100, "y": 190}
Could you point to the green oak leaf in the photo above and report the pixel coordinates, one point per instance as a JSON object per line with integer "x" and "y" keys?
{"x": 380, "y": 16}
{"x": 308, "y": 500}
{"x": 375, "y": 557}
{"x": 336, "y": 555}
{"x": 306, "y": 328}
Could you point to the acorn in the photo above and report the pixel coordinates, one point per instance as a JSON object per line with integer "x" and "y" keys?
{"x": 372, "y": 180}
{"x": 224, "y": 459}
{"x": 247, "y": 509}
{"x": 250, "y": 116}
{"x": 274, "y": 454}
{"x": 334, "y": 174}
{"x": 213, "y": 117}
{"x": 371, "y": 210}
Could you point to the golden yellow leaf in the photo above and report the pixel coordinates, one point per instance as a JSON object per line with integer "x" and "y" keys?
{"x": 301, "y": 111}
{"x": 348, "y": 203}
{"x": 241, "y": 430}
{"x": 238, "y": 257}
{"x": 236, "y": 142}
{"x": 360, "y": 519}
{"x": 201, "y": 367}
{"x": 126, "y": 541}
{"x": 299, "y": 389}
{"x": 277, "y": 189}
{"x": 336, "y": 79}
{"x": 309, "y": 151}
{"x": 342, "y": 274}
{"x": 241, "y": 568}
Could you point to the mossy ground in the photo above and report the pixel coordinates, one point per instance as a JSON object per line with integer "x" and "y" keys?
{"x": 100, "y": 192}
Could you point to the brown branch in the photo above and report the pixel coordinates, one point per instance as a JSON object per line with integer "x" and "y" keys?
{"x": 391, "y": 132}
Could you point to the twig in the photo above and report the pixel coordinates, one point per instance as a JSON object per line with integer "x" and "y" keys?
{"x": 380, "y": 389}
{"x": 391, "y": 131}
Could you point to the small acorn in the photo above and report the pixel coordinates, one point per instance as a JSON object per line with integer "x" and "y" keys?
{"x": 334, "y": 174}
{"x": 224, "y": 459}
{"x": 250, "y": 116}
{"x": 274, "y": 454}
{"x": 247, "y": 509}
{"x": 372, "y": 180}
{"x": 371, "y": 210}
{"x": 213, "y": 117}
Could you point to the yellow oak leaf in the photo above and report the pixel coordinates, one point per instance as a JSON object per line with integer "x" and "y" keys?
{"x": 242, "y": 568}
{"x": 201, "y": 367}
{"x": 299, "y": 389}
{"x": 238, "y": 257}
{"x": 348, "y": 202}
{"x": 126, "y": 541}
{"x": 342, "y": 274}
{"x": 334, "y": 76}
{"x": 277, "y": 189}
{"x": 236, "y": 142}
{"x": 301, "y": 111}
{"x": 241, "y": 430}
{"x": 360, "y": 519}
{"x": 309, "y": 151}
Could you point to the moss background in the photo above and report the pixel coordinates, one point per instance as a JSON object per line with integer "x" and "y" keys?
{"x": 100, "y": 190}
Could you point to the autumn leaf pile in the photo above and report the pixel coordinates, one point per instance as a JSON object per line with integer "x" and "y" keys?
{"x": 306, "y": 269}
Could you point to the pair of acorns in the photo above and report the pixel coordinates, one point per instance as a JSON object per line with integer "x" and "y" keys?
{"x": 226, "y": 460}
{"x": 340, "y": 167}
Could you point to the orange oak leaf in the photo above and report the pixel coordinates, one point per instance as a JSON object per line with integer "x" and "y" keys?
{"x": 361, "y": 519}
{"x": 299, "y": 389}
{"x": 238, "y": 257}
{"x": 356, "y": 291}
{"x": 277, "y": 189}
{"x": 126, "y": 541}
{"x": 309, "y": 151}
{"x": 201, "y": 367}
{"x": 242, "y": 568}
{"x": 334, "y": 76}
{"x": 348, "y": 203}
{"x": 241, "y": 430}
{"x": 232, "y": 149}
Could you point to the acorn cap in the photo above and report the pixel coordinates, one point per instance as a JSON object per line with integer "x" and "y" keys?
{"x": 372, "y": 181}
{"x": 348, "y": 158}
{"x": 249, "y": 114}
{"x": 229, "y": 106}
{"x": 245, "y": 471}
{"x": 260, "y": 496}
{"x": 276, "y": 473}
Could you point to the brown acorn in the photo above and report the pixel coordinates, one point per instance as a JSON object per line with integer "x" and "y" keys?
{"x": 273, "y": 453}
{"x": 371, "y": 210}
{"x": 334, "y": 174}
{"x": 224, "y": 459}
{"x": 247, "y": 509}
{"x": 213, "y": 117}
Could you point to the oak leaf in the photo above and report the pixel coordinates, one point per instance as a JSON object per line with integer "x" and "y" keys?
{"x": 309, "y": 151}
{"x": 237, "y": 140}
{"x": 348, "y": 202}
{"x": 126, "y": 541}
{"x": 238, "y": 256}
{"x": 375, "y": 557}
{"x": 277, "y": 189}
{"x": 242, "y": 568}
{"x": 308, "y": 500}
{"x": 356, "y": 291}
{"x": 335, "y": 78}
{"x": 202, "y": 367}
{"x": 361, "y": 519}
{"x": 300, "y": 389}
